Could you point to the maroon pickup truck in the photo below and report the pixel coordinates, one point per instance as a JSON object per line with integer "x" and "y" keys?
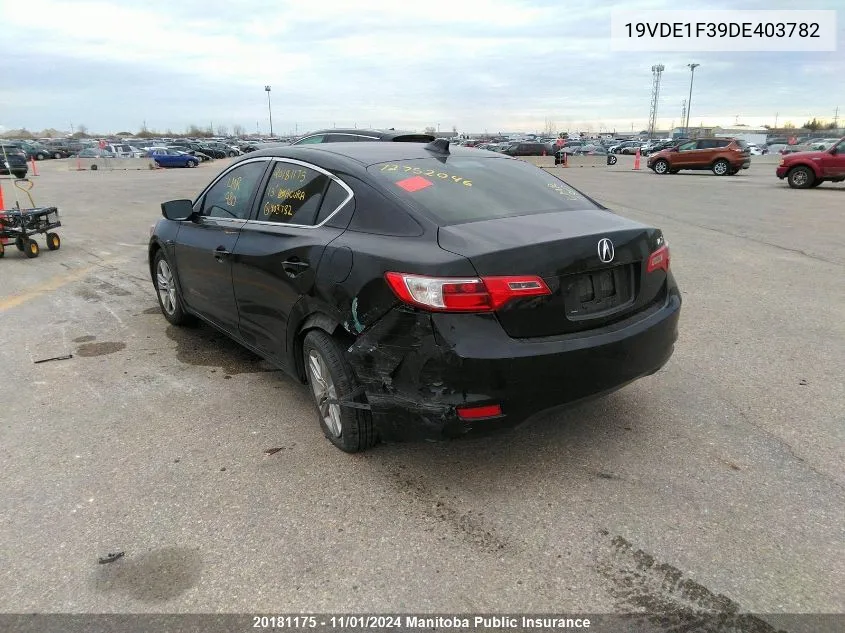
{"x": 803, "y": 170}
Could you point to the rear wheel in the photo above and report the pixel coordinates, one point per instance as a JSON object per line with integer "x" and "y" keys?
{"x": 40, "y": 156}
{"x": 661, "y": 167}
{"x": 232, "y": 154}
{"x": 801, "y": 177}
{"x": 332, "y": 380}
{"x": 19, "y": 242}
{"x": 611, "y": 160}
{"x": 30, "y": 248}
{"x": 57, "y": 155}
{"x": 721, "y": 167}
{"x": 54, "y": 243}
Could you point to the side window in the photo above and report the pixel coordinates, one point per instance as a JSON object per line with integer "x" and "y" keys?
{"x": 722, "y": 143}
{"x": 293, "y": 195}
{"x": 335, "y": 196}
{"x": 230, "y": 196}
{"x": 342, "y": 138}
{"x": 687, "y": 146}
{"x": 308, "y": 140}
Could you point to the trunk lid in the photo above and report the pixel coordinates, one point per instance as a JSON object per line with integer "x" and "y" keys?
{"x": 563, "y": 249}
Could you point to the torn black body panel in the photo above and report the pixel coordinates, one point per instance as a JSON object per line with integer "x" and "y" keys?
{"x": 417, "y": 367}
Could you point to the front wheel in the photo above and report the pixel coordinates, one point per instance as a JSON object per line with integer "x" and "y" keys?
{"x": 332, "y": 381}
{"x": 611, "y": 160}
{"x": 40, "y": 156}
{"x": 192, "y": 163}
{"x": 168, "y": 294}
{"x": 30, "y": 248}
{"x": 721, "y": 168}
{"x": 232, "y": 154}
{"x": 661, "y": 167}
{"x": 57, "y": 155}
{"x": 801, "y": 178}
{"x": 54, "y": 242}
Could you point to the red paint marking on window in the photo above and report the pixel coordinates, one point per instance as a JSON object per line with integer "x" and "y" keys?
{"x": 414, "y": 183}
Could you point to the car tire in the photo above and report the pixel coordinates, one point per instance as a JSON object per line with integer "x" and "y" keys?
{"x": 54, "y": 242}
{"x": 40, "y": 156}
{"x": 721, "y": 167}
{"x": 19, "y": 241}
{"x": 661, "y": 167}
{"x": 192, "y": 163}
{"x": 611, "y": 160}
{"x": 331, "y": 377}
{"x": 57, "y": 155}
{"x": 800, "y": 177}
{"x": 167, "y": 292}
{"x": 232, "y": 154}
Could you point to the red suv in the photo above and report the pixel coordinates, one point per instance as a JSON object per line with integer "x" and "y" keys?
{"x": 803, "y": 170}
{"x": 725, "y": 156}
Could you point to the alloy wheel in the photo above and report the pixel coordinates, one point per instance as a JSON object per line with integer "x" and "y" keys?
{"x": 324, "y": 390}
{"x": 166, "y": 287}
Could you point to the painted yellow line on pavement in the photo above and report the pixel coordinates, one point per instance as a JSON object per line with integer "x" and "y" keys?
{"x": 55, "y": 283}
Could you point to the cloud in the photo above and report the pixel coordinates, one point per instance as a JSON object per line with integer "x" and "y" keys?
{"x": 497, "y": 64}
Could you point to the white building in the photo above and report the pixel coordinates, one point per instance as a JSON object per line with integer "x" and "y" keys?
{"x": 756, "y": 135}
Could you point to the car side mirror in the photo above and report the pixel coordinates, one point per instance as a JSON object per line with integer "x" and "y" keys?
{"x": 177, "y": 210}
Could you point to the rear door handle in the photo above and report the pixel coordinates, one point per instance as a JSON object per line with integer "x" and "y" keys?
{"x": 294, "y": 266}
{"x": 220, "y": 254}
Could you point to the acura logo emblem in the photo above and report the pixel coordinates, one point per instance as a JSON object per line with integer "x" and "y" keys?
{"x": 606, "y": 250}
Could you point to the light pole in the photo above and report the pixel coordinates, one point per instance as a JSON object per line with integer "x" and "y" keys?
{"x": 269, "y": 109}
{"x": 692, "y": 68}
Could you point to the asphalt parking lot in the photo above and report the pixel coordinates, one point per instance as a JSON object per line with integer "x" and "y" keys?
{"x": 717, "y": 483}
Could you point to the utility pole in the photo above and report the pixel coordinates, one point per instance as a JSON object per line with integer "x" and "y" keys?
{"x": 656, "y": 72}
{"x": 683, "y": 112}
{"x": 836, "y": 117}
{"x": 776, "y": 119}
{"x": 269, "y": 108}
{"x": 692, "y": 68}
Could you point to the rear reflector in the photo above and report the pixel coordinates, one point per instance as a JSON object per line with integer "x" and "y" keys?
{"x": 659, "y": 259}
{"x": 472, "y": 294}
{"x": 477, "y": 413}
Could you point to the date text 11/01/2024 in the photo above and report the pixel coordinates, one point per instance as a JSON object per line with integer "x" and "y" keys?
{"x": 366, "y": 622}
{"x": 724, "y": 29}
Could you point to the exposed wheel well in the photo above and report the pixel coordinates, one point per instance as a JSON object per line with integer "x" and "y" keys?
{"x": 322, "y": 322}
{"x": 154, "y": 249}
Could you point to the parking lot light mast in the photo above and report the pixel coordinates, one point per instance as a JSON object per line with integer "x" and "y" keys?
{"x": 269, "y": 109}
{"x": 692, "y": 68}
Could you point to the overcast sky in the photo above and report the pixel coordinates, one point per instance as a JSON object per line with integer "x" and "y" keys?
{"x": 495, "y": 65}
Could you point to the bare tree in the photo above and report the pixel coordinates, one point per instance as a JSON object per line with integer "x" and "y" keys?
{"x": 430, "y": 130}
{"x": 238, "y": 130}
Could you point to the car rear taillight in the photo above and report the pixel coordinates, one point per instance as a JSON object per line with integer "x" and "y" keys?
{"x": 659, "y": 259}
{"x": 475, "y": 294}
{"x": 479, "y": 413}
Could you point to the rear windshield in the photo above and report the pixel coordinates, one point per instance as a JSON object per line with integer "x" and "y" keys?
{"x": 467, "y": 189}
{"x": 413, "y": 138}
{"x": 742, "y": 144}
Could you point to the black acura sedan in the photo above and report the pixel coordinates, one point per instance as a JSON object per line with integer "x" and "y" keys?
{"x": 420, "y": 290}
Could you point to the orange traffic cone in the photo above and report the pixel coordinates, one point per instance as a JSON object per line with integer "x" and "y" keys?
{"x": 637, "y": 159}
{"x": 34, "y": 168}
{"x": 2, "y": 204}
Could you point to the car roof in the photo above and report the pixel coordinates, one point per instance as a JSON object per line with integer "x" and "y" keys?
{"x": 384, "y": 135}
{"x": 367, "y": 153}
